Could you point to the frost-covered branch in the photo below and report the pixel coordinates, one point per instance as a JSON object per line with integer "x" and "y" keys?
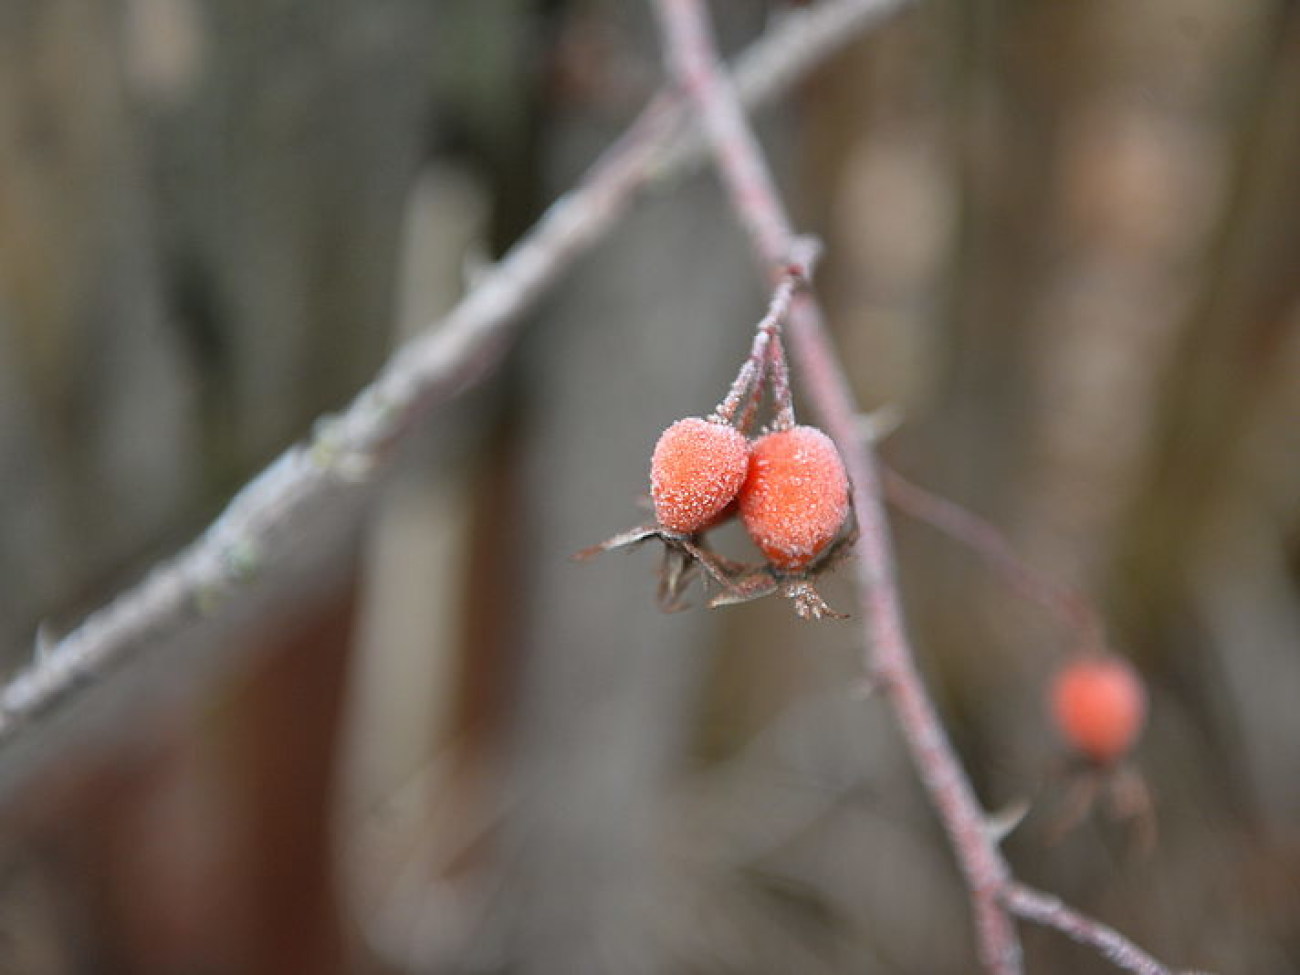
{"x": 238, "y": 555}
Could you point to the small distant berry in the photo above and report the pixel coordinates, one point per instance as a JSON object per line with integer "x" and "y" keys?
{"x": 696, "y": 471}
{"x": 1099, "y": 705}
{"x": 796, "y": 496}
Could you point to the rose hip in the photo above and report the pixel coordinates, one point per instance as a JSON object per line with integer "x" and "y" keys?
{"x": 696, "y": 471}
{"x": 1099, "y": 705}
{"x": 796, "y": 497}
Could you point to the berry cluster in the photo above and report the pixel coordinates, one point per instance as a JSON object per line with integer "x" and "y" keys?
{"x": 788, "y": 485}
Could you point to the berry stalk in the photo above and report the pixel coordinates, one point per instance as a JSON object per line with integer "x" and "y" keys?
{"x": 746, "y": 389}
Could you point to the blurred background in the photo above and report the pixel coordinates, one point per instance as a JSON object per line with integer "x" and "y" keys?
{"x": 1063, "y": 238}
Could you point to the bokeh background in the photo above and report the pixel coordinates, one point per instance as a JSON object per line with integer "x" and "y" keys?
{"x": 1062, "y": 238}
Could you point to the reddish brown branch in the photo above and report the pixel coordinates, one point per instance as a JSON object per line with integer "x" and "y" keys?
{"x": 889, "y": 659}
{"x": 694, "y": 62}
{"x": 1070, "y": 607}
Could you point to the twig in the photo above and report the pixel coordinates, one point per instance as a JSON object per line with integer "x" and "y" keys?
{"x": 747, "y": 386}
{"x": 1069, "y": 606}
{"x": 694, "y": 62}
{"x": 233, "y": 556}
{"x": 1049, "y": 911}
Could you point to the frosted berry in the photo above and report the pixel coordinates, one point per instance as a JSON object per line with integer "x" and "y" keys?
{"x": 796, "y": 496}
{"x": 696, "y": 472}
{"x": 1099, "y": 705}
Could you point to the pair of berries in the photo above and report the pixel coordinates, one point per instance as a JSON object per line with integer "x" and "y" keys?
{"x": 788, "y": 485}
{"x": 789, "y": 488}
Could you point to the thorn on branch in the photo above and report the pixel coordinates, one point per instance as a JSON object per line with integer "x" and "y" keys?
{"x": 880, "y": 424}
{"x": 1006, "y": 820}
{"x": 44, "y": 641}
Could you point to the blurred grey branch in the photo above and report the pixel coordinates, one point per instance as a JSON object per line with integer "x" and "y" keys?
{"x": 1074, "y": 610}
{"x": 239, "y": 552}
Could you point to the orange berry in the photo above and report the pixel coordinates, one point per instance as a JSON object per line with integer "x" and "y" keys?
{"x": 696, "y": 471}
{"x": 1099, "y": 705}
{"x": 796, "y": 496}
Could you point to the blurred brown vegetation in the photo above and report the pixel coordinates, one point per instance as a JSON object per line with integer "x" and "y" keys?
{"x": 1063, "y": 237}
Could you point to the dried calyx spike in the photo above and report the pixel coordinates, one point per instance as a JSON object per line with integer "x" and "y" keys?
{"x": 696, "y": 471}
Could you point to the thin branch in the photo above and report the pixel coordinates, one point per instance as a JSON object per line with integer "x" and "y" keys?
{"x": 746, "y": 388}
{"x": 241, "y": 549}
{"x": 1071, "y": 607}
{"x": 1051, "y": 912}
{"x": 694, "y": 62}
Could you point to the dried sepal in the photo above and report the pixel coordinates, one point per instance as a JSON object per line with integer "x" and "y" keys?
{"x": 808, "y": 602}
{"x": 755, "y": 583}
{"x": 676, "y": 571}
{"x": 633, "y": 536}
{"x": 1120, "y": 793}
{"x": 684, "y": 555}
